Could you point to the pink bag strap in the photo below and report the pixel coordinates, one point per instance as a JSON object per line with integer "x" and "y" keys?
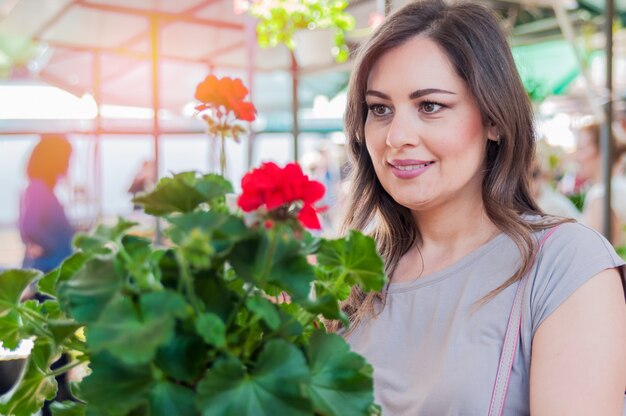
{"x": 511, "y": 340}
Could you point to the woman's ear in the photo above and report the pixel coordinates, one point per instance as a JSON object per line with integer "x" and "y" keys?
{"x": 493, "y": 132}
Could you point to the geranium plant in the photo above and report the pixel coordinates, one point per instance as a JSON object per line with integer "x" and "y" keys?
{"x": 278, "y": 21}
{"x": 223, "y": 107}
{"x": 200, "y": 325}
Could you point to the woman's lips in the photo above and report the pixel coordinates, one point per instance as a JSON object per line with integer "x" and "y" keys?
{"x": 409, "y": 169}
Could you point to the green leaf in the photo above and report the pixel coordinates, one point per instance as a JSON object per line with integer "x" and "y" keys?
{"x": 219, "y": 231}
{"x": 134, "y": 336}
{"x": 183, "y": 193}
{"x": 61, "y": 330}
{"x": 102, "y": 241}
{"x": 325, "y": 305}
{"x": 88, "y": 293}
{"x": 10, "y": 330}
{"x": 183, "y": 358}
{"x": 341, "y": 380}
{"x": 34, "y": 386}
{"x": 66, "y": 271}
{"x": 48, "y": 282}
{"x": 12, "y": 285}
{"x": 140, "y": 263}
{"x": 114, "y": 388}
{"x": 68, "y": 408}
{"x": 283, "y": 264}
{"x": 212, "y": 329}
{"x": 168, "y": 399}
{"x": 212, "y": 186}
{"x": 273, "y": 387}
{"x": 266, "y": 310}
{"x": 218, "y": 298}
{"x": 356, "y": 257}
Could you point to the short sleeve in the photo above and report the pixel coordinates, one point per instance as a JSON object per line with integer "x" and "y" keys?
{"x": 570, "y": 257}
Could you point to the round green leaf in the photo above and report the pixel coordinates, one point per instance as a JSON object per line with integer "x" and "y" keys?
{"x": 341, "y": 380}
{"x": 266, "y": 310}
{"x": 274, "y": 387}
{"x": 212, "y": 329}
{"x": 357, "y": 257}
{"x": 135, "y": 337}
{"x": 87, "y": 294}
{"x": 114, "y": 388}
{"x": 168, "y": 399}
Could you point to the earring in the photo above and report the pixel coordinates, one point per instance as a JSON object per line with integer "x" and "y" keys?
{"x": 498, "y": 139}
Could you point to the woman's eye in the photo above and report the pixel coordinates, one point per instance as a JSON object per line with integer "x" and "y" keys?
{"x": 430, "y": 107}
{"x": 379, "y": 109}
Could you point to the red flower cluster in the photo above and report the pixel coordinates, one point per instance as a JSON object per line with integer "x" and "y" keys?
{"x": 226, "y": 92}
{"x": 276, "y": 187}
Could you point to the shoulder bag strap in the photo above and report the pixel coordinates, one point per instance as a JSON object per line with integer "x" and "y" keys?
{"x": 511, "y": 339}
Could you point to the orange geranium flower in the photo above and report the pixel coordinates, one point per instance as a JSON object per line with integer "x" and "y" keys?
{"x": 225, "y": 95}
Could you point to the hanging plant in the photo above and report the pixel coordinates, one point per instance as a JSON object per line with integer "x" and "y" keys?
{"x": 280, "y": 19}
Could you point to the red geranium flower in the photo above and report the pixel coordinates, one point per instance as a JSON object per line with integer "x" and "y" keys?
{"x": 275, "y": 187}
{"x": 227, "y": 93}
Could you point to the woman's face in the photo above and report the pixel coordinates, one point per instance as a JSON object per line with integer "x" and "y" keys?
{"x": 424, "y": 131}
{"x": 587, "y": 156}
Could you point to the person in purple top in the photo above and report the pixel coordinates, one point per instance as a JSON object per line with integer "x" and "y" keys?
{"x": 43, "y": 224}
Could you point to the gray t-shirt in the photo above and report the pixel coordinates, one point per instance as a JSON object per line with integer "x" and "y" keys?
{"x": 435, "y": 353}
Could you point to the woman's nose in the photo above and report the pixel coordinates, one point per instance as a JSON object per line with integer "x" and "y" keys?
{"x": 403, "y": 131}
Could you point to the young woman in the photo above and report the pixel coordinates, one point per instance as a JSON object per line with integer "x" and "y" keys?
{"x": 440, "y": 135}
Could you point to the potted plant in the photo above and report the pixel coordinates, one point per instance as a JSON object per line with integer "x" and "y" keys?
{"x": 199, "y": 325}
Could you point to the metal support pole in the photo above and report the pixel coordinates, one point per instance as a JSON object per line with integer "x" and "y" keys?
{"x": 294, "y": 104}
{"x": 156, "y": 130}
{"x": 607, "y": 135}
{"x": 250, "y": 26}
{"x": 97, "y": 163}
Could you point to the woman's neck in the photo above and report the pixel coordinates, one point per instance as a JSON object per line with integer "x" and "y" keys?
{"x": 455, "y": 226}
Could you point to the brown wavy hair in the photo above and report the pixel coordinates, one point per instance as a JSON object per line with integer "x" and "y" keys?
{"x": 471, "y": 37}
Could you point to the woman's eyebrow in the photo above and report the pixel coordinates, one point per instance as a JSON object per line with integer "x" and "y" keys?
{"x": 413, "y": 95}
{"x": 421, "y": 93}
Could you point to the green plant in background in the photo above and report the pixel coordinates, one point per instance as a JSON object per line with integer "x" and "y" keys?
{"x": 200, "y": 325}
{"x": 280, "y": 19}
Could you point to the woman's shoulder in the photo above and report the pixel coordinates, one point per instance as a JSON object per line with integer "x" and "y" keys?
{"x": 569, "y": 240}
{"x": 570, "y": 256}
{"x": 573, "y": 233}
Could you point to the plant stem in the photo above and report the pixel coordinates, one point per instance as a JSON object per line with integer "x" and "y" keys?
{"x": 240, "y": 303}
{"x": 34, "y": 319}
{"x": 267, "y": 266}
{"x": 266, "y": 269}
{"x": 64, "y": 369}
{"x": 222, "y": 155}
{"x": 188, "y": 282}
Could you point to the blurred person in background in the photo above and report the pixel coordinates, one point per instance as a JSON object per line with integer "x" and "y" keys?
{"x": 143, "y": 181}
{"x": 549, "y": 199}
{"x": 45, "y": 228}
{"x": 43, "y": 224}
{"x": 589, "y": 160}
